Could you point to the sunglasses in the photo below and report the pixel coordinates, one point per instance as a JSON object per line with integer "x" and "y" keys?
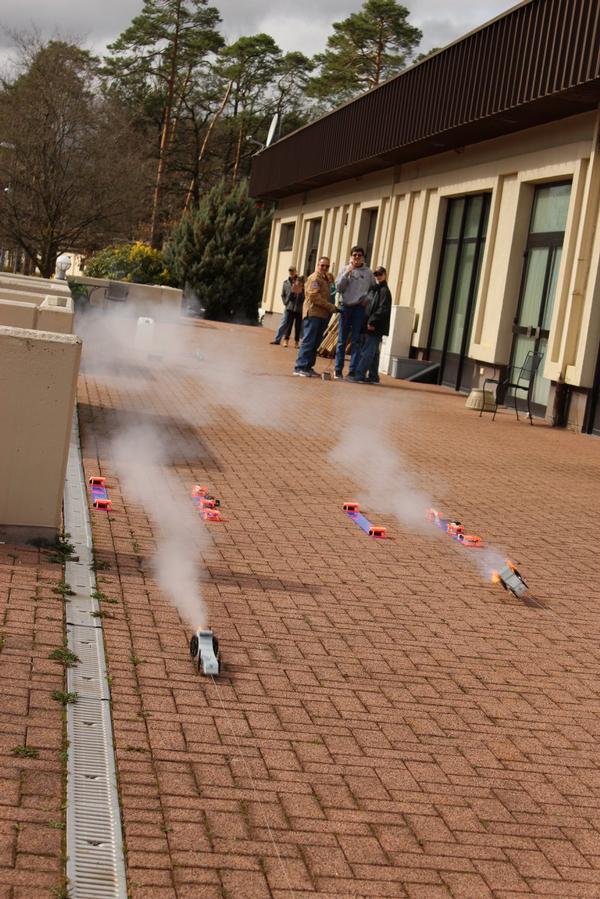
{"x": 323, "y": 265}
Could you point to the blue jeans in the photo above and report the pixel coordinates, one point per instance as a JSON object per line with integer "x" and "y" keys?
{"x": 287, "y": 319}
{"x": 351, "y": 322}
{"x": 314, "y": 328}
{"x": 369, "y": 356}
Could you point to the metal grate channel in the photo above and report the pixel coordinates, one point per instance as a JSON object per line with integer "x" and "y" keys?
{"x": 95, "y": 865}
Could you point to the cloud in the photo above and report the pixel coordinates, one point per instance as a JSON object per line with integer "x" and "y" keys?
{"x": 294, "y": 26}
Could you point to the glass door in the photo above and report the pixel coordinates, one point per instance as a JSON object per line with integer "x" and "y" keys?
{"x": 538, "y": 286}
{"x": 456, "y": 289}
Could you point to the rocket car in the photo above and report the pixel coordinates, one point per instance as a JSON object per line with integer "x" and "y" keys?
{"x": 510, "y": 578}
{"x": 204, "y": 650}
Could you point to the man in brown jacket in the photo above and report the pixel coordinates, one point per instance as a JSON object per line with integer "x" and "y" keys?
{"x": 317, "y": 309}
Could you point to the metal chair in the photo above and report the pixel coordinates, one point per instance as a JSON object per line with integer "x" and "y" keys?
{"x": 524, "y": 381}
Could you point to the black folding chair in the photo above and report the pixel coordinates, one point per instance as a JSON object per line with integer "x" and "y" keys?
{"x": 522, "y": 379}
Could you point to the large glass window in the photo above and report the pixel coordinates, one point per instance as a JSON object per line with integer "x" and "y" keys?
{"x": 458, "y": 278}
{"x": 540, "y": 276}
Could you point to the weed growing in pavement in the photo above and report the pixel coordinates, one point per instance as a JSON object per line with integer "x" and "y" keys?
{"x": 25, "y": 752}
{"x": 137, "y": 661}
{"x": 56, "y": 825}
{"x": 100, "y": 565}
{"x": 13, "y": 556}
{"x": 63, "y": 589}
{"x": 136, "y": 749}
{"x": 64, "y": 656}
{"x": 65, "y": 698}
{"x": 60, "y": 892}
{"x": 101, "y": 615}
{"x": 136, "y": 547}
{"x": 165, "y": 828}
{"x": 103, "y": 597}
{"x": 2, "y": 642}
{"x": 62, "y": 550}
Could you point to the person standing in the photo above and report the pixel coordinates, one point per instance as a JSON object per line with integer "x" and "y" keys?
{"x": 317, "y": 310}
{"x": 294, "y": 307}
{"x": 377, "y": 325}
{"x": 286, "y": 290}
{"x": 353, "y": 284}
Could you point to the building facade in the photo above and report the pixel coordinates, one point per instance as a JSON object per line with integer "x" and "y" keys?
{"x": 474, "y": 177}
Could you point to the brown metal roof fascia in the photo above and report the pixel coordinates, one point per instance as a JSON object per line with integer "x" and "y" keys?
{"x": 540, "y": 49}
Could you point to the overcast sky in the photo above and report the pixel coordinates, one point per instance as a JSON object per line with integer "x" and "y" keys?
{"x": 294, "y": 25}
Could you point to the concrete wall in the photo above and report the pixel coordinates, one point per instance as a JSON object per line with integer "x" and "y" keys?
{"x": 38, "y": 376}
{"x": 37, "y": 311}
{"x": 55, "y": 314}
{"x": 30, "y": 284}
{"x": 15, "y": 314}
{"x": 412, "y": 202}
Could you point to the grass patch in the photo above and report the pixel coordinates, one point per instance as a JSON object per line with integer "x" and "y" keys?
{"x": 64, "y": 656}
{"x": 25, "y": 752}
{"x": 63, "y": 589}
{"x": 62, "y": 550}
{"x": 65, "y": 698}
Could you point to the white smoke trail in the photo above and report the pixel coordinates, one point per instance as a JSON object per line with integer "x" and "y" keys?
{"x": 365, "y": 452}
{"x": 139, "y": 456}
{"x": 388, "y": 486}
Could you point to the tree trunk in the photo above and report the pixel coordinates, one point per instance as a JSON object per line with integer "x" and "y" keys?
{"x": 238, "y": 153}
{"x": 155, "y": 237}
{"x": 209, "y": 131}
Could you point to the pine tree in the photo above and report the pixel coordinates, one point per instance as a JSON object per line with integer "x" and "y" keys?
{"x": 366, "y": 49}
{"x": 161, "y": 56}
{"x": 218, "y": 253}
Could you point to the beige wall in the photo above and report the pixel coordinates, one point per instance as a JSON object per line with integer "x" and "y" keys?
{"x": 37, "y": 311}
{"x": 38, "y": 376}
{"x": 55, "y": 314}
{"x": 30, "y": 284}
{"x": 15, "y": 314}
{"x": 412, "y": 200}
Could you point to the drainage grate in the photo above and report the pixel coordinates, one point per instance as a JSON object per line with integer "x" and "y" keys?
{"x": 95, "y": 865}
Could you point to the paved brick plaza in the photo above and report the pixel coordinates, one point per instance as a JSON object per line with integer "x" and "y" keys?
{"x": 388, "y": 723}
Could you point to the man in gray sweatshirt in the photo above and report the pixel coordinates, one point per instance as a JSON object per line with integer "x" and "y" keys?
{"x": 353, "y": 283}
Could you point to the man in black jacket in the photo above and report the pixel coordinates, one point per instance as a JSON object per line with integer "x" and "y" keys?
{"x": 288, "y": 306}
{"x": 377, "y": 322}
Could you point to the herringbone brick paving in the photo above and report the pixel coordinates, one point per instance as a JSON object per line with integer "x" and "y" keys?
{"x": 31, "y": 725}
{"x": 387, "y": 723}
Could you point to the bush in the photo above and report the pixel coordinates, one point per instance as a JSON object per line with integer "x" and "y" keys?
{"x": 136, "y": 262}
{"x": 218, "y": 254}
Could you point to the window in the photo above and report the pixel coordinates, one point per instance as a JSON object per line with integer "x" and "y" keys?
{"x": 312, "y": 246}
{"x": 286, "y": 236}
{"x": 366, "y": 234}
{"x": 458, "y": 278}
{"x": 531, "y": 326}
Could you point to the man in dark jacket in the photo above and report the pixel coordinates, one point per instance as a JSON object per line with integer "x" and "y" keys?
{"x": 288, "y": 306}
{"x": 377, "y": 319}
